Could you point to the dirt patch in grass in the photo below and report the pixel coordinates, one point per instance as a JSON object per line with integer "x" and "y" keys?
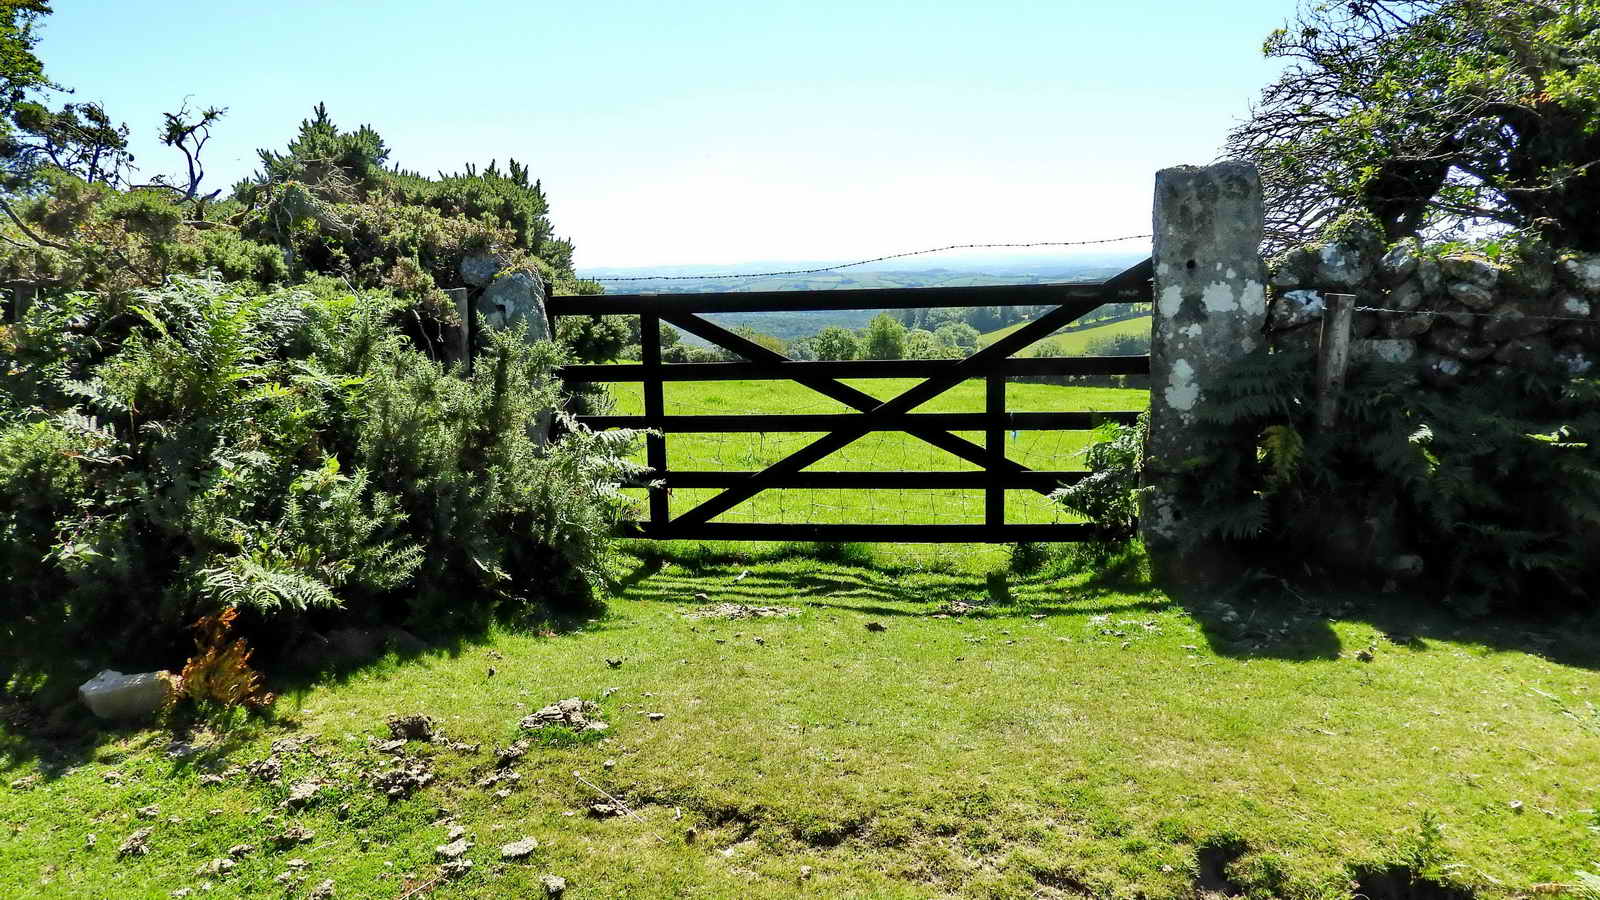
{"x": 1400, "y": 883}
{"x": 740, "y": 611}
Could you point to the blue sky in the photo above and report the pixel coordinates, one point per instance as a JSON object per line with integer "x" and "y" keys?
{"x": 712, "y": 131}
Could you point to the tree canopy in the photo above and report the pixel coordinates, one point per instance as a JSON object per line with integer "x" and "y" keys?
{"x": 1432, "y": 115}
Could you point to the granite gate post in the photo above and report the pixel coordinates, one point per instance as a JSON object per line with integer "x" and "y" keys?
{"x": 1210, "y": 309}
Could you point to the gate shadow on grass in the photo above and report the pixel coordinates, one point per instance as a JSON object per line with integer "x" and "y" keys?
{"x": 1277, "y": 624}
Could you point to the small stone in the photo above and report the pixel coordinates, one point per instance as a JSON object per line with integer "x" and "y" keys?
{"x": 113, "y": 695}
{"x": 323, "y": 891}
{"x": 1476, "y": 296}
{"x": 877, "y": 626}
{"x": 1294, "y": 309}
{"x": 456, "y": 832}
{"x": 1516, "y": 806}
{"x": 302, "y": 794}
{"x": 136, "y": 844}
{"x": 456, "y": 868}
{"x": 182, "y": 892}
{"x": 610, "y": 764}
{"x": 90, "y": 840}
{"x": 614, "y": 662}
{"x": 1364, "y": 655}
{"x": 215, "y": 868}
{"x": 238, "y": 850}
{"x": 454, "y": 849}
{"x": 519, "y": 849}
{"x": 149, "y": 812}
{"x": 657, "y": 716}
{"x": 805, "y": 872}
{"x": 554, "y": 885}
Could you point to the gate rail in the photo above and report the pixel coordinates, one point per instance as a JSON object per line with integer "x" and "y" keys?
{"x": 993, "y": 364}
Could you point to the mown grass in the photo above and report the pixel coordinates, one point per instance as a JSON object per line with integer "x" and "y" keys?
{"x": 1077, "y": 733}
{"x": 1076, "y": 343}
{"x": 883, "y": 451}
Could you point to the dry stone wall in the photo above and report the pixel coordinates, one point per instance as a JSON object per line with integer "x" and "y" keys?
{"x": 1456, "y": 316}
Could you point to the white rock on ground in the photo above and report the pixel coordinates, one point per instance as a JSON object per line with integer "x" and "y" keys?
{"x": 113, "y": 695}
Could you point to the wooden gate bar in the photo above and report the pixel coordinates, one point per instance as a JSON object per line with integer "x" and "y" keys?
{"x": 911, "y": 534}
{"x": 655, "y": 445}
{"x": 866, "y": 422}
{"x": 803, "y": 370}
{"x": 854, "y": 298}
{"x": 1029, "y": 479}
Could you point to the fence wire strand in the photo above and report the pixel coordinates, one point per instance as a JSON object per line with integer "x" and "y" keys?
{"x": 876, "y": 259}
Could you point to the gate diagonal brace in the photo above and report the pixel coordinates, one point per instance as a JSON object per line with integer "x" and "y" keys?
{"x": 911, "y": 398}
{"x": 835, "y": 389}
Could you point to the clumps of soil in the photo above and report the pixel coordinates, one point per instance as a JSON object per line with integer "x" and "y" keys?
{"x": 572, "y": 713}
{"x": 740, "y": 611}
{"x": 411, "y": 728}
{"x": 136, "y": 844}
{"x": 404, "y": 779}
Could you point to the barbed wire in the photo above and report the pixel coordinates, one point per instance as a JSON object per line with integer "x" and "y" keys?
{"x": 876, "y": 259}
{"x": 1457, "y": 313}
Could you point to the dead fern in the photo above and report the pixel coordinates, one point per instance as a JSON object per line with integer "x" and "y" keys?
{"x": 220, "y": 671}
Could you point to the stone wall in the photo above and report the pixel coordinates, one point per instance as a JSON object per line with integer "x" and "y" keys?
{"x": 1455, "y": 316}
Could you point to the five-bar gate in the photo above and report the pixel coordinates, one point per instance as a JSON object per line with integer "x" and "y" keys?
{"x": 994, "y": 364}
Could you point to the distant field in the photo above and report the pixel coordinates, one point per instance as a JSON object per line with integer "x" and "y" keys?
{"x": 1076, "y": 343}
{"x": 889, "y": 451}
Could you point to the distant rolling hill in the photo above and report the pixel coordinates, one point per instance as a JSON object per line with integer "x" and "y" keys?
{"x": 1076, "y": 342}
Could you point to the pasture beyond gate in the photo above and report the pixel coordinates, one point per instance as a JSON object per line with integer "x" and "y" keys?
{"x": 994, "y": 365}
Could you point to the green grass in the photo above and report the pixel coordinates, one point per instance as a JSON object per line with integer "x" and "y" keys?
{"x": 886, "y": 451}
{"x": 1076, "y": 343}
{"x": 1078, "y": 734}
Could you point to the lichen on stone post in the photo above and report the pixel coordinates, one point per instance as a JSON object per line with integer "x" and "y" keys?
{"x": 1210, "y": 309}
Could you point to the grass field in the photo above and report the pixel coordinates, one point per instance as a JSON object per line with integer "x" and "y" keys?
{"x": 1074, "y": 733}
{"x": 887, "y": 451}
{"x": 1076, "y": 343}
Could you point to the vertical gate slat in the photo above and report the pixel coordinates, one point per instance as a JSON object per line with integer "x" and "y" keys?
{"x": 655, "y": 445}
{"x": 994, "y": 499}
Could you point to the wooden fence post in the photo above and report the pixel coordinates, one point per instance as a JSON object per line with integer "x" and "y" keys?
{"x": 1333, "y": 356}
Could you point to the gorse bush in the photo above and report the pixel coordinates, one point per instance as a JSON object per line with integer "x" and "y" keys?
{"x": 1495, "y": 484}
{"x": 204, "y": 445}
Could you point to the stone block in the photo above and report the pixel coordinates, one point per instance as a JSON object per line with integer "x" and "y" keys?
{"x": 1404, "y": 326}
{"x": 1525, "y": 353}
{"x": 1441, "y": 371}
{"x": 1458, "y": 342}
{"x": 113, "y": 695}
{"x": 1342, "y": 266}
{"x": 1407, "y": 296}
{"x": 1392, "y": 351}
{"x": 514, "y": 299}
{"x": 1400, "y": 263}
{"x": 1474, "y": 295}
{"x": 1577, "y": 361}
{"x": 1582, "y": 272}
{"x": 478, "y": 269}
{"x": 1294, "y": 309}
{"x": 1508, "y": 322}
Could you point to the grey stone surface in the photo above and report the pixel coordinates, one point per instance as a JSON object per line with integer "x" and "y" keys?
{"x": 1527, "y": 353}
{"x": 1388, "y": 350}
{"x": 1442, "y": 371}
{"x": 1342, "y": 266}
{"x": 1400, "y": 263}
{"x": 1577, "y": 361}
{"x": 478, "y": 269}
{"x": 1574, "y": 306}
{"x": 1472, "y": 294}
{"x": 1457, "y": 342}
{"x": 1430, "y": 275}
{"x": 1211, "y": 307}
{"x": 1508, "y": 322}
{"x": 1293, "y": 309}
{"x": 113, "y": 695}
{"x": 1407, "y": 296}
{"x": 1583, "y": 272}
{"x": 1404, "y": 326}
{"x": 515, "y": 299}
